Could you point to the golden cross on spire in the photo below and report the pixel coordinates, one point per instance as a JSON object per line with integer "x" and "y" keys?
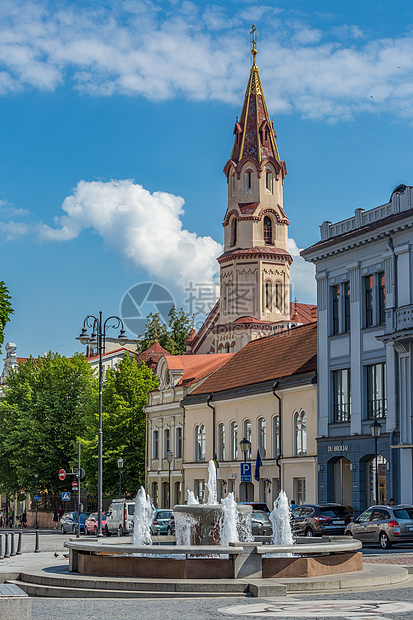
{"x": 253, "y": 41}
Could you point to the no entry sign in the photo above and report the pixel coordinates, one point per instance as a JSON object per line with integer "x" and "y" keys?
{"x": 74, "y": 484}
{"x": 62, "y": 474}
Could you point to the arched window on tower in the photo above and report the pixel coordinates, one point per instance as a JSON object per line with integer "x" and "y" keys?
{"x": 234, "y": 231}
{"x": 278, "y": 296}
{"x": 268, "y": 180}
{"x": 232, "y": 184}
{"x": 268, "y": 231}
{"x": 248, "y": 182}
{"x": 268, "y": 296}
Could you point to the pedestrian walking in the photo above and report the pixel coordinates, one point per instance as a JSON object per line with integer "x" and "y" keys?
{"x": 23, "y": 519}
{"x": 55, "y": 519}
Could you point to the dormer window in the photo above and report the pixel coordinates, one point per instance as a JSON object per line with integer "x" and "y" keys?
{"x": 248, "y": 182}
{"x": 268, "y": 231}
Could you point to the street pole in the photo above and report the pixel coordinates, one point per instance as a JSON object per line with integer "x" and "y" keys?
{"x": 375, "y": 429}
{"x": 78, "y": 494}
{"x": 246, "y": 483}
{"x": 377, "y": 470}
{"x": 120, "y": 465}
{"x": 36, "y": 475}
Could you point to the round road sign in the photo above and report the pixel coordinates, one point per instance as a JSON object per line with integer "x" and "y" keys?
{"x": 62, "y": 474}
{"x": 36, "y": 498}
{"x": 74, "y": 484}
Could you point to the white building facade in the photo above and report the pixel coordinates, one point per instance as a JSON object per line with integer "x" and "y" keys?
{"x": 364, "y": 272}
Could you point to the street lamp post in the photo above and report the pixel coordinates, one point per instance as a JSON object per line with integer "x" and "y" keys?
{"x": 375, "y": 429}
{"x": 120, "y": 465}
{"x": 245, "y": 447}
{"x": 169, "y": 457}
{"x": 36, "y": 475}
{"x": 98, "y": 339}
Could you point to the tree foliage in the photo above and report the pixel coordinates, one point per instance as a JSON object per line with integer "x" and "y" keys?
{"x": 172, "y": 336}
{"x": 124, "y": 429}
{"x": 5, "y": 310}
{"x": 42, "y": 415}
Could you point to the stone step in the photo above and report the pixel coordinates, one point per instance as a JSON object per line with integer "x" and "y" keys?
{"x": 60, "y": 591}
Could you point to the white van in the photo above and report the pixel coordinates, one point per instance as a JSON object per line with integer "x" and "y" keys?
{"x": 119, "y": 517}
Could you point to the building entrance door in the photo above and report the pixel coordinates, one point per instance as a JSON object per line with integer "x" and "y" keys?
{"x": 342, "y": 482}
{"x": 372, "y": 471}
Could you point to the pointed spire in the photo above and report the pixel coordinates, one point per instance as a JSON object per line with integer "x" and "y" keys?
{"x": 254, "y": 132}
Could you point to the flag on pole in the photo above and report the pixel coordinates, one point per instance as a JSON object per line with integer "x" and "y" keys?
{"x": 258, "y": 464}
{"x": 216, "y": 461}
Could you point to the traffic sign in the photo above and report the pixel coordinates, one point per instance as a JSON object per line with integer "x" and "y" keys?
{"x": 246, "y": 474}
{"x": 36, "y": 497}
{"x": 74, "y": 484}
{"x": 62, "y": 474}
{"x": 65, "y": 496}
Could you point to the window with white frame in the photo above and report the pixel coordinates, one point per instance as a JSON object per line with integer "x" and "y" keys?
{"x": 342, "y": 395}
{"x": 376, "y": 391}
{"x": 374, "y": 299}
{"x": 155, "y": 444}
{"x": 248, "y": 430}
{"x": 276, "y": 436}
{"x": 268, "y": 181}
{"x": 300, "y": 432}
{"x": 178, "y": 441}
{"x": 200, "y": 442}
{"x": 300, "y": 491}
{"x": 262, "y": 436}
{"x": 234, "y": 441}
{"x": 166, "y": 440}
{"x": 221, "y": 442}
{"x": 200, "y": 490}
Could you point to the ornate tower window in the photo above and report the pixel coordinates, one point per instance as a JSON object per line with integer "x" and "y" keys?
{"x": 268, "y": 181}
{"x": 268, "y": 231}
{"x": 233, "y": 231}
{"x": 268, "y": 295}
{"x": 278, "y": 296}
{"x": 248, "y": 182}
{"x": 232, "y": 184}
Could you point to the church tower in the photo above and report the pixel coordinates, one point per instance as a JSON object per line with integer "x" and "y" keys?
{"x": 255, "y": 265}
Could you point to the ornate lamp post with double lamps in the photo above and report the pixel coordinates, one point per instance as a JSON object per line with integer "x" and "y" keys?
{"x": 245, "y": 447}
{"x": 97, "y": 340}
{"x": 375, "y": 429}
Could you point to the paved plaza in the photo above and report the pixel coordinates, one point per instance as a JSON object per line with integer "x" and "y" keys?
{"x": 379, "y": 603}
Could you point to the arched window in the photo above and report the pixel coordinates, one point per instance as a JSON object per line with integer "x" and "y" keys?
{"x": 276, "y": 436}
{"x": 166, "y": 441}
{"x": 268, "y": 295}
{"x": 200, "y": 443}
{"x": 155, "y": 444}
{"x": 221, "y": 442}
{"x": 224, "y": 299}
{"x": 233, "y": 231}
{"x": 267, "y": 230}
{"x": 227, "y": 347}
{"x": 248, "y": 430}
{"x": 234, "y": 441}
{"x": 268, "y": 181}
{"x": 262, "y": 436}
{"x": 248, "y": 182}
{"x": 155, "y": 497}
{"x": 300, "y": 432}
{"x": 233, "y": 185}
{"x": 278, "y": 296}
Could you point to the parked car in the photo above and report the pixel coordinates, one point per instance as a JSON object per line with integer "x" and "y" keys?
{"x": 68, "y": 522}
{"x": 320, "y": 520}
{"x": 261, "y": 526}
{"x": 161, "y": 521}
{"x": 256, "y": 506}
{"x": 91, "y": 523}
{"x": 383, "y": 525}
{"x": 119, "y": 517}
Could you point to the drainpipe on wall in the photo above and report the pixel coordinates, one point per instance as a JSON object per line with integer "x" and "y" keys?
{"x": 279, "y": 455}
{"x": 213, "y": 423}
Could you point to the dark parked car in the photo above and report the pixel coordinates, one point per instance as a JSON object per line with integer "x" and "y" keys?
{"x": 68, "y": 523}
{"x": 318, "y": 520}
{"x": 261, "y": 526}
{"x": 383, "y": 525}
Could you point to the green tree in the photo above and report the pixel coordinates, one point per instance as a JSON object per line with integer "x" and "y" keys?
{"x": 124, "y": 429}
{"x": 41, "y": 416}
{"x": 5, "y": 310}
{"x": 172, "y": 336}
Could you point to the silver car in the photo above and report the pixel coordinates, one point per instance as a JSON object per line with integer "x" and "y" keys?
{"x": 383, "y": 525}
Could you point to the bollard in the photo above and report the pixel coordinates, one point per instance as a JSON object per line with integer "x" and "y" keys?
{"x": 1, "y": 547}
{"x": 19, "y": 544}
{"x": 37, "y": 548}
{"x": 6, "y": 545}
{"x": 12, "y": 551}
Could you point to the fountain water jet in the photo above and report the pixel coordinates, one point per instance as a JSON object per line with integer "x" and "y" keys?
{"x": 142, "y": 519}
{"x": 229, "y": 522}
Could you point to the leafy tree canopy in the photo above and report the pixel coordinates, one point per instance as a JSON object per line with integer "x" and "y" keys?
{"x": 41, "y": 416}
{"x": 124, "y": 429}
{"x": 5, "y": 310}
{"x": 172, "y": 336}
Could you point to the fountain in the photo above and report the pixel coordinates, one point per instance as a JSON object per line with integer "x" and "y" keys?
{"x": 213, "y": 540}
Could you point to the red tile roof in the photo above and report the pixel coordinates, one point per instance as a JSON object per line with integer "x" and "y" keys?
{"x": 287, "y": 353}
{"x": 303, "y": 312}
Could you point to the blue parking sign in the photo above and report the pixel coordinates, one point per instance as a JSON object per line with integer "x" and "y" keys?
{"x": 65, "y": 496}
{"x": 246, "y": 474}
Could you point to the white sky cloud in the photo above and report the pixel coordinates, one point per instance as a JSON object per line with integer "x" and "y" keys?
{"x": 164, "y": 51}
{"x": 145, "y": 228}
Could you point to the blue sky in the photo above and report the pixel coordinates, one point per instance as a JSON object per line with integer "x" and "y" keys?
{"x": 116, "y": 121}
